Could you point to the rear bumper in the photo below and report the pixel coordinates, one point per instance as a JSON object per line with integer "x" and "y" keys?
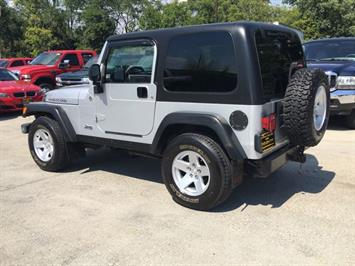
{"x": 342, "y": 102}
{"x": 268, "y": 165}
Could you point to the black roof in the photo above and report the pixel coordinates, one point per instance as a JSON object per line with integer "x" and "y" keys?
{"x": 332, "y": 39}
{"x": 246, "y": 25}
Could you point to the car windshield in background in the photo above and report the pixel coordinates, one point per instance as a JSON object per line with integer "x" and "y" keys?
{"x": 330, "y": 50}
{"x": 92, "y": 61}
{"x": 46, "y": 59}
{"x": 3, "y": 63}
{"x": 6, "y": 75}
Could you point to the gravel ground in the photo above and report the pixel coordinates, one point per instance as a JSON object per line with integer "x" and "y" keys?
{"x": 112, "y": 208}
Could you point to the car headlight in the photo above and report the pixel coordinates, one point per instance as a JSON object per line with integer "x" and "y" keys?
{"x": 58, "y": 79}
{"x": 3, "y": 95}
{"x": 85, "y": 80}
{"x": 26, "y": 77}
{"x": 346, "y": 83}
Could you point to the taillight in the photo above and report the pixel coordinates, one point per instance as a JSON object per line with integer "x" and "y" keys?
{"x": 269, "y": 123}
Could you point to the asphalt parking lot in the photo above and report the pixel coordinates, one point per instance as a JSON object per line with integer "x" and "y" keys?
{"x": 111, "y": 208}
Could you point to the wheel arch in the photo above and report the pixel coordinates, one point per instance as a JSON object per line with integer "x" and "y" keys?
{"x": 54, "y": 112}
{"x": 210, "y": 125}
{"x": 44, "y": 79}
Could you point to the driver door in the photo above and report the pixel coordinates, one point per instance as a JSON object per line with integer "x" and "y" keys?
{"x": 127, "y": 105}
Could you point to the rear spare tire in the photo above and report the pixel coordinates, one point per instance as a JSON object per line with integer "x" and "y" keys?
{"x": 306, "y": 107}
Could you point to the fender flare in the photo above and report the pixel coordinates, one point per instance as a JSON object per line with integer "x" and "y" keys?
{"x": 214, "y": 122}
{"x": 58, "y": 114}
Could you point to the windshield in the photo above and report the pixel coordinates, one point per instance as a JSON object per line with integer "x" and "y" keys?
{"x": 3, "y": 63}
{"x": 6, "y": 75}
{"x": 330, "y": 50}
{"x": 46, "y": 59}
{"x": 89, "y": 63}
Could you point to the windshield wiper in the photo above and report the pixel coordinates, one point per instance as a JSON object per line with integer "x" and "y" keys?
{"x": 312, "y": 60}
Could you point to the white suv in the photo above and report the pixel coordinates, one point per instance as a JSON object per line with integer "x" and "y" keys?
{"x": 215, "y": 102}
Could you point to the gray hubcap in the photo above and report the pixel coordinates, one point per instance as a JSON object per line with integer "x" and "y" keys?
{"x": 43, "y": 145}
{"x": 320, "y": 108}
{"x": 191, "y": 173}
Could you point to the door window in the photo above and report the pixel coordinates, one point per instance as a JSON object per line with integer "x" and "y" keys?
{"x": 17, "y": 63}
{"x": 72, "y": 58}
{"x": 130, "y": 64}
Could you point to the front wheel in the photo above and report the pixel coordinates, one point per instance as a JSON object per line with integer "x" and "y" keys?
{"x": 47, "y": 144}
{"x": 197, "y": 172}
{"x": 46, "y": 87}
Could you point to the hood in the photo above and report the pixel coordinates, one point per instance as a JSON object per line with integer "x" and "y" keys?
{"x": 342, "y": 68}
{"x": 28, "y": 69}
{"x": 67, "y": 95}
{"x": 17, "y": 85}
{"x": 84, "y": 73}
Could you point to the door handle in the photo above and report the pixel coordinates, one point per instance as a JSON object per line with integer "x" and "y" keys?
{"x": 142, "y": 92}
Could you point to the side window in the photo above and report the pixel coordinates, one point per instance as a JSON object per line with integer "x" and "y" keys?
{"x": 86, "y": 57}
{"x": 130, "y": 64}
{"x": 202, "y": 62}
{"x": 277, "y": 52}
{"x": 17, "y": 63}
{"x": 72, "y": 58}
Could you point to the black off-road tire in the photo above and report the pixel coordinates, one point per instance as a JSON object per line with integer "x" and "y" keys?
{"x": 60, "y": 158}
{"x": 220, "y": 166}
{"x": 350, "y": 120}
{"x": 298, "y": 107}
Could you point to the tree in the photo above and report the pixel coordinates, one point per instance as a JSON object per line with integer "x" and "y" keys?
{"x": 11, "y": 31}
{"x": 97, "y": 25}
{"x": 326, "y": 18}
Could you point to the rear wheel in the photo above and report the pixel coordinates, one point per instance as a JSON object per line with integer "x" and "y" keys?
{"x": 47, "y": 144}
{"x": 197, "y": 172}
{"x": 350, "y": 120}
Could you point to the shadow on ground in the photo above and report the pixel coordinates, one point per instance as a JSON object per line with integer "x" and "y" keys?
{"x": 274, "y": 190}
{"x": 8, "y": 116}
{"x": 338, "y": 123}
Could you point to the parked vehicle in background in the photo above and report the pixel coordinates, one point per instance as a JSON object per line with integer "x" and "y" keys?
{"x": 43, "y": 70}
{"x": 9, "y": 63}
{"x": 336, "y": 56}
{"x": 14, "y": 93}
{"x": 76, "y": 77}
{"x": 215, "y": 102}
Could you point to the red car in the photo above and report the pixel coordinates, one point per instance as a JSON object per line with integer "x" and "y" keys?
{"x": 14, "y": 92}
{"x": 42, "y": 70}
{"x": 14, "y": 62}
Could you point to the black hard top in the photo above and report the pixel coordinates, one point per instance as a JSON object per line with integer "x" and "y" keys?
{"x": 230, "y": 26}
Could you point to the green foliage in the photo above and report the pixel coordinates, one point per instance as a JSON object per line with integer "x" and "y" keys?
{"x": 11, "y": 31}
{"x": 325, "y": 18}
{"x": 97, "y": 25}
{"x": 37, "y": 25}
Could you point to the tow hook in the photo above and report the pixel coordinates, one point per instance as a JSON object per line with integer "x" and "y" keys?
{"x": 297, "y": 155}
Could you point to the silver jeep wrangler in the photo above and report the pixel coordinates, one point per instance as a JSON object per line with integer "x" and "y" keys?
{"x": 214, "y": 102}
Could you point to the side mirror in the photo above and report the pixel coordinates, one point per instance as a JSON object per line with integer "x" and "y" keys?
{"x": 95, "y": 77}
{"x": 95, "y": 73}
{"x": 64, "y": 64}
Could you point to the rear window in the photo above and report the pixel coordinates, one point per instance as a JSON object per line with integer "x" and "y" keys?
{"x": 277, "y": 52}
{"x": 202, "y": 62}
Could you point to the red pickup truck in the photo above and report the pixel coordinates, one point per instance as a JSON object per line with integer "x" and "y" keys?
{"x": 43, "y": 70}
